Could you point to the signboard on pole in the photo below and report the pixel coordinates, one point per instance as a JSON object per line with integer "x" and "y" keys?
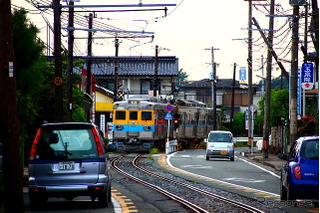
{"x": 299, "y": 94}
{"x": 307, "y": 81}
{"x": 246, "y": 119}
{"x": 242, "y": 75}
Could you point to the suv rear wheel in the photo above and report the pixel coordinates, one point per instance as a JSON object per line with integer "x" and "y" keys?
{"x": 103, "y": 198}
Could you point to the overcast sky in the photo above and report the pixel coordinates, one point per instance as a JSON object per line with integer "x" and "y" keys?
{"x": 187, "y": 30}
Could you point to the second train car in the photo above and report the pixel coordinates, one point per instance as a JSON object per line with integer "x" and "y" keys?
{"x": 140, "y": 124}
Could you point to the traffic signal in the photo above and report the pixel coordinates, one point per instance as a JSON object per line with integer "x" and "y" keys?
{"x": 176, "y": 121}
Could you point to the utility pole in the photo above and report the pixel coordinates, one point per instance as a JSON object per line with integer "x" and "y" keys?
{"x": 262, "y": 74}
{"x": 232, "y": 101}
{"x": 155, "y": 77}
{"x": 294, "y": 71}
{"x": 213, "y": 87}
{"x": 250, "y": 93}
{"x": 57, "y": 59}
{"x": 70, "y": 60}
{"x": 116, "y": 71}
{"x": 266, "y": 117}
{"x": 9, "y": 123}
{"x": 89, "y": 62}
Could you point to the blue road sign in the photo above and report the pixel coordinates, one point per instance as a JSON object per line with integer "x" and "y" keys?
{"x": 168, "y": 116}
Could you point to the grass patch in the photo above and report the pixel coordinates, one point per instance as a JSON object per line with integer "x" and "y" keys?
{"x": 150, "y": 157}
{"x": 154, "y": 151}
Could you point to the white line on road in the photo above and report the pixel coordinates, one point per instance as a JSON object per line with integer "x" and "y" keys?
{"x": 232, "y": 184}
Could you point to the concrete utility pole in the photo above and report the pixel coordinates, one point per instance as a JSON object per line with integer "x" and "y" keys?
{"x": 9, "y": 123}
{"x": 250, "y": 93}
{"x": 57, "y": 59}
{"x": 232, "y": 101}
{"x": 155, "y": 76}
{"x": 116, "y": 71}
{"x": 213, "y": 87}
{"x": 70, "y": 60}
{"x": 294, "y": 71}
{"x": 89, "y": 62}
{"x": 266, "y": 117}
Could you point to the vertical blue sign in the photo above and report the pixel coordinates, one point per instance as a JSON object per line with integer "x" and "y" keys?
{"x": 299, "y": 94}
{"x": 242, "y": 75}
{"x": 307, "y": 76}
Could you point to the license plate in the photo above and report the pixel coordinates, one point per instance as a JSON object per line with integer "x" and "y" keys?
{"x": 223, "y": 152}
{"x": 69, "y": 165}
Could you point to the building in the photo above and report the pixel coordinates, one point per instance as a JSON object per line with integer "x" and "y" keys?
{"x": 202, "y": 91}
{"x": 136, "y": 75}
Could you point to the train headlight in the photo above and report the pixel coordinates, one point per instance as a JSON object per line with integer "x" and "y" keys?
{"x": 118, "y": 127}
{"x": 147, "y": 128}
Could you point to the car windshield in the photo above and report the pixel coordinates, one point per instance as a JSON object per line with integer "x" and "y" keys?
{"x": 66, "y": 144}
{"x": 220, "y": 137}
{"x": 310, "y": 149}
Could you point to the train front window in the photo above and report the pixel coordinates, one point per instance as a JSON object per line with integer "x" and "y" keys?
{"x": 133, "y": 115}
{"x": 120, "y": 115}
{"x": 145, "y": 116}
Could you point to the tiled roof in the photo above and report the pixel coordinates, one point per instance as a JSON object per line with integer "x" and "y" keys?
{"x": 132, "y": 66}
{"x": 206, "y": 83}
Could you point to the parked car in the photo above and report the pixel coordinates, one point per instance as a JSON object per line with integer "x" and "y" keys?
{"x": 220, "y": 145}
{"x": 300, "y": 174}
{"x": 68, "y": 160}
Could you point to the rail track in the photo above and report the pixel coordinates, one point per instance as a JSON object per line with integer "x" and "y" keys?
{"x": 216, "y": 201}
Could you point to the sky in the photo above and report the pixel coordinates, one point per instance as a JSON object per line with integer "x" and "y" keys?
{"x": 186, "y": 32}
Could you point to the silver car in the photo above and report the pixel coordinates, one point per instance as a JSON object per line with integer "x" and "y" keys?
{"x": 69, "y": 160}
{"x": 220, "y": 145}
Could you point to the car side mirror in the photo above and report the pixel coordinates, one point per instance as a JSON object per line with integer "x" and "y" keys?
{"x": 206, "y": 140}
{"x": 283, "y": 156}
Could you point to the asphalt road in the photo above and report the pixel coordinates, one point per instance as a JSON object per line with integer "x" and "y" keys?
{"x": 240, "y": 175}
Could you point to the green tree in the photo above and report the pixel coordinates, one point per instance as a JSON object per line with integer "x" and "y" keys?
{"x": 35, "y": 88}
{"x": 279, "y": 106}
{"x": 238, "y": 124}
{"x": 181, "y": 80}
{"x": 29, "y": 63}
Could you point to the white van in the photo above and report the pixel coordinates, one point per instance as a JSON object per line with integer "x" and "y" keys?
{"x": 220, "y": 145}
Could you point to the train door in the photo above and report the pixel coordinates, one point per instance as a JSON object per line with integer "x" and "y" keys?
{"x": 133, "y": 121}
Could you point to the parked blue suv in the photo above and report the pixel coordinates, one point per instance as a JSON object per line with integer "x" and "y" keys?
{"x": 300, "y": 175}
{"x": 68, "y": 160}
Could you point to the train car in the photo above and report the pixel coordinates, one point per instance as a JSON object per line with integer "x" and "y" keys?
{"x": 140, "y": 124}
{"x": 196, "y": 120}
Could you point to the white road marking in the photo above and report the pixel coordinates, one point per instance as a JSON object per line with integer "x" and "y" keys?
{"x": 232, "y": 184}
{"x": 266, "y": 170}
{"x": 244, "y": 180}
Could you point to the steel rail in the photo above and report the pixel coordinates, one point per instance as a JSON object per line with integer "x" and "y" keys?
{"x": 184, "y": 202}
{"x": 218, "y": 197}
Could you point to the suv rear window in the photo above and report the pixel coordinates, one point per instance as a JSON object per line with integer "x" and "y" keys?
{"x": 65, "y": 144}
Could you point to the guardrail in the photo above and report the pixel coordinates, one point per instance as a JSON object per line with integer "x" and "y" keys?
{"x": 171, "y": 146}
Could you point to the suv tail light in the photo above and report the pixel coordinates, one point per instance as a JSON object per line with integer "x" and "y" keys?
{"x": 297, "y": 172}
{"x": 34, "y": 145}
{"x": 97, "y": 140}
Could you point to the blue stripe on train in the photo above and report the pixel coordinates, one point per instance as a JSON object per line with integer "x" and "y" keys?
{"x": 133, "y": 128}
